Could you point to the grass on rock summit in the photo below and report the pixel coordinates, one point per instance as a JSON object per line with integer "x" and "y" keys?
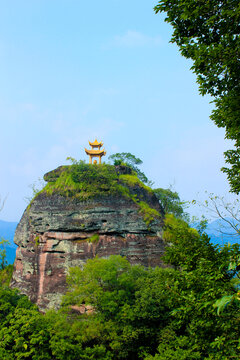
{"x": 86, "y": 181}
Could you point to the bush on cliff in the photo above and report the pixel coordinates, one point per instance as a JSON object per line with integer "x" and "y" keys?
{"x": 6, "y": 275}
{"x": 84, "y": 181}
{"x": 131, "y": 161}
{"x": 3, "y": 262}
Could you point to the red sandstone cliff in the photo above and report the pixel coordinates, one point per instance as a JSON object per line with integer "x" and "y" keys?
{"x": 57, "y": 232}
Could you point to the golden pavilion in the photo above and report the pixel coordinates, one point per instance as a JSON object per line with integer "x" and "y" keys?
{"x": 95, "y": 153}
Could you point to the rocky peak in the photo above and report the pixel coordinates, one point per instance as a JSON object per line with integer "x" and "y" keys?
{"x": 84, "y": 211}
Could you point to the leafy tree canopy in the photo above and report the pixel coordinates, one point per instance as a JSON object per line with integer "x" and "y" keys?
{"x": 162, "y": 313}
{"x": 6, "y": 275}
{"x": 132, "y": 161}
{"x": 137, "y": 313}
{"x": 3, "y": 262}
{"x": 171, "y": 203}
{"x": 208, "y": 33}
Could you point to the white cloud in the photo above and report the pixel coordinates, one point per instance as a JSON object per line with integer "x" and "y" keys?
{"x": 135, "y": 39}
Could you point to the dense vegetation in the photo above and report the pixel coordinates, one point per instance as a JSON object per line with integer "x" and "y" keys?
{"x": 3, "y": 253}
{"x": 87, "y": 181}
{"x": 139, "y": 313}
{"x": 131, "y": 161}
{"x": 84, "y": 181}
{"x": 207, "y": 32}
{"x": 171, "y": 203}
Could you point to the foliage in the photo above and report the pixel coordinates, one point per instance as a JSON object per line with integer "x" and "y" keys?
{"x": 121, "y": 295}
{"x": 10, "y": 299}
{"x": 94, "y": 238}
{"x": 149, "y": 213}
{"x": 3, "y": 244}
{"x": 171, "y": 203}
{"x": 124, "y": 158}
{"x": 208, "y": 33}
{"x": 86, "y": 181}
{"x": 221, "y": 303}
{"x": 130, "y": 160}
{"x": 174, "y": 348}
{"x": 162, "y": 313}
{"x": 21, "y": 335}
{"x": 138, "y": 313}
{"x": 132, "y": 180}
{"x": 27, "y": 334}
{"x": 189, "y": 247}
{"x": 204, "y": 277}
{"x": 6, "y": 275}
{"x": 36, "y": 240}
{"x": 70, "y": 338}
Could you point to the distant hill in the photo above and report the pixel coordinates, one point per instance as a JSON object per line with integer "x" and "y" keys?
{"x": 7, "y": 230}
{"x": 222, "y": 233}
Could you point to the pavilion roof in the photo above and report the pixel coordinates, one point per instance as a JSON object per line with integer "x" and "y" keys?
{"x": 96, "y": 143}
{"x": 95, "y": 152}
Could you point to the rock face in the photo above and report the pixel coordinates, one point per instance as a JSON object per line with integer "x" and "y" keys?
{"x": 58, "y": 232}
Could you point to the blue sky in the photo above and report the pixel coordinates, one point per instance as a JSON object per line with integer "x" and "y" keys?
{"x": 72, "y": 71}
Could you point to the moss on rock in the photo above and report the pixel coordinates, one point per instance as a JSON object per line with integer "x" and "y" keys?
{"x": 149, "y": 213}
{"x": 93, "y": 239}
{"x": 132, "y": 180}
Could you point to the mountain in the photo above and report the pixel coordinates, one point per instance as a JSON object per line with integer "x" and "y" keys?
{"x": 84, "y": 211}
{"x": 221, "y": 232}
{"x": 7, "y": 231}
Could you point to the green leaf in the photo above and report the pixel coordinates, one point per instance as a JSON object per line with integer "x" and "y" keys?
{"x": 221, "y": 303}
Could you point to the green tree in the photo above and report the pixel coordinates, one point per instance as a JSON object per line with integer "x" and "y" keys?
{"x": 234, "y": 267}
{"x": 160, "y": 313}
{"x": 3, "y": 262}
{"x": 72, "y": 337}
{"x": 25, "y": 334}
{"x": 3, "y": 243}
{"x": 171, "y": 203}
{"x": 203, "y": 277}
{"x": 6, "y": 275}
{"x": 208, "y": 33}
{"x": 130, "y": 304}
{"x": 23, "y": 330}
{"x": 132, "y": 161}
